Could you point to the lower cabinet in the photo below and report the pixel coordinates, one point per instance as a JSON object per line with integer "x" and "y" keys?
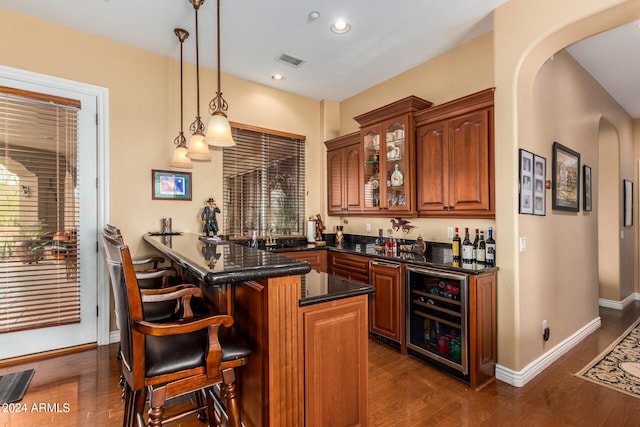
{"x": 352, "y": 267}
{"x": 336, "y": 363}
{"x": 317, "y": 258}
{"x": 386, "y": 312}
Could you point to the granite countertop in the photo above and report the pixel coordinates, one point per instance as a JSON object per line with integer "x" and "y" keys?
{"x": 320, "y": 287}
{"x": 437, "y": 255}
{"x": 222, "y": 263}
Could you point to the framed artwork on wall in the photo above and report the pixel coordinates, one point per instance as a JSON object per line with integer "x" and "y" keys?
{"x": 565, "y": 179}
{"x": 628, "y": 203}
{"x": 526, "y": 182}
{"x": 586, "y": 197}
{"x": 539, "y": 185}
{"x": 170, "y": 185}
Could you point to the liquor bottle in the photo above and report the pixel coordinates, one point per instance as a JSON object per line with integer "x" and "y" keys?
{"x": 467, "y": 248}
{"x": 481, "y": 252}
{"x": 491, "y": 249}
{"x": 475, "y": 247}
{"x": 455, "y": 247}
{"x": 389, "y": 179}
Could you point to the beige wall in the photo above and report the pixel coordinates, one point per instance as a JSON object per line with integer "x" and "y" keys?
{"x": 525, "y": 35}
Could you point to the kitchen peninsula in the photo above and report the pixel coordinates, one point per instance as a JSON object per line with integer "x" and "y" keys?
{"x": 307, "y": 330}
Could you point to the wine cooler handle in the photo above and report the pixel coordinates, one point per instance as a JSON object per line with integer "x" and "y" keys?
{"x": 385, "y": 264}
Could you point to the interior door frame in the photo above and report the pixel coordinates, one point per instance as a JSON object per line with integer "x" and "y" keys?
{"x": 101, "y": 95}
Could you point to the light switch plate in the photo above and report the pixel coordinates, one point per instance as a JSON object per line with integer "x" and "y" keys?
{"x": 450, "y": 232}
{"x": 523, "y": 244}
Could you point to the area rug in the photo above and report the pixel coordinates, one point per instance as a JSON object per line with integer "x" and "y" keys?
{"x": 618, "y": 367}
{"x": 14, "y": 386}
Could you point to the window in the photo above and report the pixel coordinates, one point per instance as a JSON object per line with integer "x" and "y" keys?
{"x": 39, "y": 284}
{"x": 264, "y": 183}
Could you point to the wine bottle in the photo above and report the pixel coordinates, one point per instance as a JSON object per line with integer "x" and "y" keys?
{"x": 491, "y": 249}
{"x": 455, "y": 247}
{"x": 482, "y": 250}
{"x": 467, "y": 248}
{"x": 475, "y": 247}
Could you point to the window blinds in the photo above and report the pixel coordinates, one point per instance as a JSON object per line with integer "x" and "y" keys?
{"x": 264, "y": 183}
{"x": 39, "y": 280}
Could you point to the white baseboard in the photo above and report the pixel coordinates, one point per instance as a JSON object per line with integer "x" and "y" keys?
{"x": 618, "y": 305}
{"x": 114, "y": 336}
{"x": 520, "y": 378}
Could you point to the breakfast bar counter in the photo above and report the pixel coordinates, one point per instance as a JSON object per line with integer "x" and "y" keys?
{"x": 307, "y": 330}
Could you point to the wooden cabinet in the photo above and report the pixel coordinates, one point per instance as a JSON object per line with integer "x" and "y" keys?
{"x": 344, "y": 174}
{"x": 317, "y": 258}
{"x": 482, "y": 329}
{"x": 336, "y": 363}
{"x": 455, "y": 158}
{"x": 386, "y": 308}
{"x": 353, "y": 267}
{"x": 388, "y": 155}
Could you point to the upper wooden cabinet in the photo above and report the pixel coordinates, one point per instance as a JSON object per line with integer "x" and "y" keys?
{"x": 388, "y": 155}
{"x": 455, "y": 158}
{"x": 344, "y": 174}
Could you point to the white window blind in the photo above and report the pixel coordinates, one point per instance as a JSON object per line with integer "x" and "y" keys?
{"x": 264, "y": 183}
{"x": 39, "y": 278}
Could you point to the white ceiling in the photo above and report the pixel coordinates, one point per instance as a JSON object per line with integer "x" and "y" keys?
{"x": 387, "y": 38}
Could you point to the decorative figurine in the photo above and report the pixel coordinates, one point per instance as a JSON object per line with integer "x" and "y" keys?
{"x": 208, "y": 217}
{"x": 319, "y": 228}
{"x": 399, "y": 223}
{"x": 339, "y": 235}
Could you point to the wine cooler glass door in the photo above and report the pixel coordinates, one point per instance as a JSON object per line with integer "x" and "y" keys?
{"x": 437, "y": 316}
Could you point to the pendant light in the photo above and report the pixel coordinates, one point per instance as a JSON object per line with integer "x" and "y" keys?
{"x": 180, "y": 159}
{"x": 198, "y": 149}
{"x": 218, "y": 129}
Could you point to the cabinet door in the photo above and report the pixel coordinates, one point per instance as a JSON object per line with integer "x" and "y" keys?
{"x": 482, "y": 325}
{"x": 397, "y": 176}
{"x": 469, "y": 162}
{"x": 373, "y": 162}
{"x": 386, "y": 309}
{"x": 433, "y": 179}
{"x": 335, "y": 184}
{"x": 317, "y": 259}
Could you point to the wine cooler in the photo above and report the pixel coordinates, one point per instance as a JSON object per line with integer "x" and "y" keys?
{"x": 436, "y": 326}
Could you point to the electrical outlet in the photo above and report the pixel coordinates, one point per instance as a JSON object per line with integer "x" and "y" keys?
{"x": 545, "y": 330}
{"x": 450, "y": 232}
{"x": 368, "y": 227}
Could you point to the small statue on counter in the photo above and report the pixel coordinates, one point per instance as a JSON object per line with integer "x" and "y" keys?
{"x": 208, "y": 217}
{"x": 319, "y": 228}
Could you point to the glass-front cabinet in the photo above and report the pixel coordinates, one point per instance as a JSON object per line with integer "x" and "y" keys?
{"x": 389, "y": 157}
{"x": 387, "y": 176}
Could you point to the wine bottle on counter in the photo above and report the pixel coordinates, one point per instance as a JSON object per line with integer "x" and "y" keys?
{"x": 481, "y": 252}
{"x": 455, "y": 247}
{"x": 491, "y": 249}
{"x": 475, "y": 247}
{"x": 467, "y": 248}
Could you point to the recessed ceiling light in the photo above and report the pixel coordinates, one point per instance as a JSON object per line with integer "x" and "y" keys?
{"x": 313, "y": 15}
{"x": 277, "y": 77}
{"x": 340, "y": 26}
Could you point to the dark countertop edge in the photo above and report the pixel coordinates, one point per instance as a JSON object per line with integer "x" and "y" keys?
{"x": 447, "y": 266}
{"x": 256, "y": 273}
{"x": 363, "y": 290}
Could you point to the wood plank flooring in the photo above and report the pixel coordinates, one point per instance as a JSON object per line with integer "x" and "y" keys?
{"x": 402, "y": 391}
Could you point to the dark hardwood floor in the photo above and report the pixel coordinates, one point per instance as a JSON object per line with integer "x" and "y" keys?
{"x": 402, "y": 391}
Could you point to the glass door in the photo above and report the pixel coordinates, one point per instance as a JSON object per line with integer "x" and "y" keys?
{"x": 396, "y": 167}
{"x": 372, "y": 165}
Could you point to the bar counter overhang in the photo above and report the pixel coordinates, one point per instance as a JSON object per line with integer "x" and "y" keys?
{"x": 308, "y": 337}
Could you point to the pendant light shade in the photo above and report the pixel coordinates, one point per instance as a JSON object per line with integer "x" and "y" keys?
{"x": 180, "y": 159}
{"x": 198, "y": 149}
{"x": 218, "y": 129}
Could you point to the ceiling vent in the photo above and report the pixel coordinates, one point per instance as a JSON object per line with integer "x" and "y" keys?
{"x": 291, "y": 61}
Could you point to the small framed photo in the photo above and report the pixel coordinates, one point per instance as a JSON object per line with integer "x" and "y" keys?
{"x": 170, "y": 185}
{"x": 566, "y": 179}
{"x": 586, "y": 184}
{"x": 539, "y": 185}
{"x": 628, "y": 203}
{"x": 526, "y": 182}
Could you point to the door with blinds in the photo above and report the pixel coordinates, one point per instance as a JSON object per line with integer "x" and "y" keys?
{"x": 48, "y": 219}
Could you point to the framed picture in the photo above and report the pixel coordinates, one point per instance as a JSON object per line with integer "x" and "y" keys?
{"x": 539, "y": 185}
{"x": 526, "y": 182}
{"x": 170, "y": 185}
{"x": 628, "y": 203}
{"x": 565, "y": 178}
{"x": 586, "y": 196}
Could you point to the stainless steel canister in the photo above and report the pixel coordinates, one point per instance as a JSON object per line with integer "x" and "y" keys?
{"x": 166, "y": 225}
